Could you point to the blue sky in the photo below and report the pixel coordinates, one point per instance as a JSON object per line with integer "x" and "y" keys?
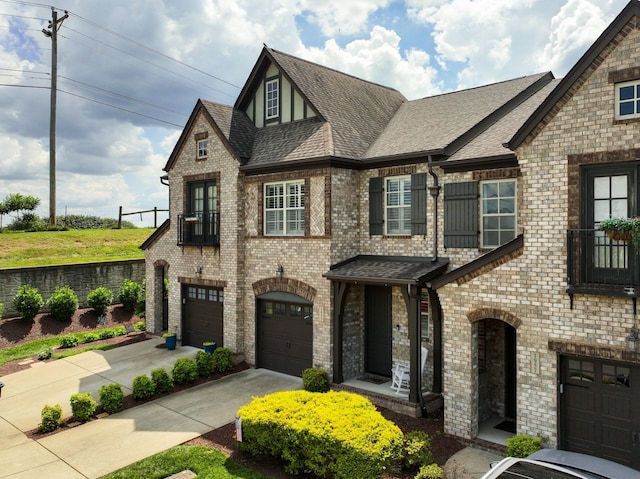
{"x": 131, "y": 72}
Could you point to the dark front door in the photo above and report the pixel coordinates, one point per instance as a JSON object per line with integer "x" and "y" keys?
{"x": 203, "y": 315}
{"x": 377, "y": 312}
{"x": 510, "y": 373}
{"x": 285, "y": 336}
{"x": 599, "y": 412}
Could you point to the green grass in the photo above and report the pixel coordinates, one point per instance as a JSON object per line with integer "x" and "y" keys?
{"x": 44, "y": 248}
{"x": 34, "y": 348}
{"x": 207, "y": 463}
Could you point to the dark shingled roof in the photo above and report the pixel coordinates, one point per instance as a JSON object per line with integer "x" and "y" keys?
{"x": 435, "y": 124}
{"x": 235, "y": 125}
{"x": 491, "y": 142}
{"x": 387, "y": 269}
{"x": 291, "y": 141}
{"x": 357, "y": 110}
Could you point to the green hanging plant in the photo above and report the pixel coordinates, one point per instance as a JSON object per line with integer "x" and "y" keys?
{"x": 623, "y": 229}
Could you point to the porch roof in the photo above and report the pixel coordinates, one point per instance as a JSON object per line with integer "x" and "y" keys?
{"x": 391, "y": 270}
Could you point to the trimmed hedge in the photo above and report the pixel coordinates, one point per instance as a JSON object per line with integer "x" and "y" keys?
{"x": 63, "y": 303}
{"x": 28, "y": 302}
{"x": 83, "y": 406}
{"x": 51, "y": 417}
{"x": 111, "y": 398}
{"x": 315, "y": 380}
{"x": 143, "y": 387}
{"x": 303, "y": 429}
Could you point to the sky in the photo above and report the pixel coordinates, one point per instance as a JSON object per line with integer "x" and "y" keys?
{"x": 130, "y": 73}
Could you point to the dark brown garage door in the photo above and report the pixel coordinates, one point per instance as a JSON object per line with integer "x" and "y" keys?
{"x": 202, "y": 318}
{"x": 599, "y": 409}
{"x": 285, "y": 336}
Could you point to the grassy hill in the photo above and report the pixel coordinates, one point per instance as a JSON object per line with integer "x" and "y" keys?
{"x": 75, "y": 246}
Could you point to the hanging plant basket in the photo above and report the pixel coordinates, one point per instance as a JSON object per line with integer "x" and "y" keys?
{"x": 623, "y": 229}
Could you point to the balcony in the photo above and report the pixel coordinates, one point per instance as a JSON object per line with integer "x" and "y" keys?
{"x": 199, "y": 230}
{"x": 599, "y": 265}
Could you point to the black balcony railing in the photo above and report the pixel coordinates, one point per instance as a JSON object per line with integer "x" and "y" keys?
{"x": 199, "y": 229}
{"x": 599, "y": 265}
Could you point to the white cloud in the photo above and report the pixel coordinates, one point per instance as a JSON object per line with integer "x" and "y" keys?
{"x": 379, "y": 58}
{"x": 338, "y": 17}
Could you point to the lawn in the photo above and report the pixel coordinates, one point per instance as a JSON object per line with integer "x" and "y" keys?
{"x": 207, "y": 463}
{"x": 44, "y": 248}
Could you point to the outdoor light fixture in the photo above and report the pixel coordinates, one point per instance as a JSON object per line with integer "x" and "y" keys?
{"x": 633, "y": 340}
{"x": 198, "y": 269}
{"x": 279, "y": 271}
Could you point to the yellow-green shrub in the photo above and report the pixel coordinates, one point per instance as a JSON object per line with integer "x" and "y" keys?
{"x": 336, "y": 434}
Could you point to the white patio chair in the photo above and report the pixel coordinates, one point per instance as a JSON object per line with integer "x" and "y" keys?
{"x": 400, "y": 374}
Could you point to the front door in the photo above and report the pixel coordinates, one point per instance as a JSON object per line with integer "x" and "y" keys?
{"x": 377, "y": 312}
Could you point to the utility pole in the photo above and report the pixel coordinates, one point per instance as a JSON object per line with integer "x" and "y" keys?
{"x": 52, "y": 33}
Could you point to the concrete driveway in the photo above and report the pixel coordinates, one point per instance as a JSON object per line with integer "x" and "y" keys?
{"x": 96, "y": 448}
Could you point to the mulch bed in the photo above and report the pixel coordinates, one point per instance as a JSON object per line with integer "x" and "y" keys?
{"x": 15, "y": 331}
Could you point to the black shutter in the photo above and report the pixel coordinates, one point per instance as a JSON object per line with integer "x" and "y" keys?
{"x": 376, "y": 211}
{"x": 419, "y": 204}
{"x": 461, "y": 215}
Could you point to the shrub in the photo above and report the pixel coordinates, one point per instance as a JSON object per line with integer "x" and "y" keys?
{"x": 46, "y": 354}
{"x": 184, "y": 371}
{"x": 28, "y": 302}
{"x": 83, "y": 406}
{"x": 106, "y": 333}
{"x": 100, "y": 299}
{"x": 68, "y": 341}
{"x": 89, "y": 338}
{"x": 111, "y": 398}
{"x": 142, "y": 300}
{"x": 432, "y": 471}
{"x": 1, "y": 310}
{"x": 416, "y": 450}
{"x": 303, "y": 429}
{"x": 63, "y": 303}
{"x": 129, "y": 295}
{"x": 522, "y": 445}
{"x": 140, "y": 326}
{"x": 205, "y": 363}
{"x": 223, "y": 359}
{"x": 143, "y": 387}
{"x": 162, "y": 380}
{"x": 51, "y": 417}
{"x": 315, "y": 380}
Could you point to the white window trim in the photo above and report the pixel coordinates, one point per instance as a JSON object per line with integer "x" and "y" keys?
{"x": 275, "y": 107}
{"x": 285, "y": 208}
{"x": 482, "y": 214}
{"x": 202, "y": 147}
{"x": 399, "y": 207}
{"x": 618, "y": 116}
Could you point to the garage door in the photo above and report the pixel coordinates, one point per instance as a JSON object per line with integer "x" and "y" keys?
{"x": 202, "y": 317}
{"x": 599, "y": 411}
{"x": 285, "y": 335}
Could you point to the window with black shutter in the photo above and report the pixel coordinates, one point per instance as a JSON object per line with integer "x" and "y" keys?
{"x": 400, "y": 207}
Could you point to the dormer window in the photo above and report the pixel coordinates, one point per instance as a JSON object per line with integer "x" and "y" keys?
{"x": 628, "y": 100}
{"x": 272, "y": 98}
{"x": 202, "y": 149}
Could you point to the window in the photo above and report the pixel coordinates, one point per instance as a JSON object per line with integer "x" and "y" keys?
{"x": 200, "y": 222}
{"x": 202, "y": 149}
{"x": 284, "y": 209}
{"x": 398, "y": 205}
{"x": 272, "y": 95}
{"x": 498, "y": 212}
{"x": 628, "y": 100}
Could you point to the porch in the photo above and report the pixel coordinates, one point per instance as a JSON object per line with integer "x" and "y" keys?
{"x": 378, "y": 391}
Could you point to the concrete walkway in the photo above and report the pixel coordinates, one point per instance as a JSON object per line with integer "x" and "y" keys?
{"x": 96, "y": 448}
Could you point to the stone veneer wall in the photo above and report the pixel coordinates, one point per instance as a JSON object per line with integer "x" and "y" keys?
{"x": 531, "y": 286}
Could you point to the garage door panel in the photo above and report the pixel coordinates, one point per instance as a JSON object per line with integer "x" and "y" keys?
{"x": 598, "y": 407}
{"x": 285, "y": 341}
{"x": 203, "y": 317}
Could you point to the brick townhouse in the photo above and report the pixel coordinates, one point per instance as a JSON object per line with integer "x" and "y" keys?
{"x": 327, "y": 221}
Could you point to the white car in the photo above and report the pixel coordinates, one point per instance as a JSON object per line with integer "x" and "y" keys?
{"x": 555, "y": 464}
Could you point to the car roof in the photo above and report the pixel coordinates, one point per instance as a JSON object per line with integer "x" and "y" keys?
{"x": 585, "y": 463}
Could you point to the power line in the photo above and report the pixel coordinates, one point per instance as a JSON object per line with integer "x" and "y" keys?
{"x": 25, "y": 86}
{"x": 121, "y": 108}
{"x": 157, "y": 52}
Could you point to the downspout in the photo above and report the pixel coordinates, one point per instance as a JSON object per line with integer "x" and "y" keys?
{"x": 434, "y": 190}
{"x": 417, "y": 333}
